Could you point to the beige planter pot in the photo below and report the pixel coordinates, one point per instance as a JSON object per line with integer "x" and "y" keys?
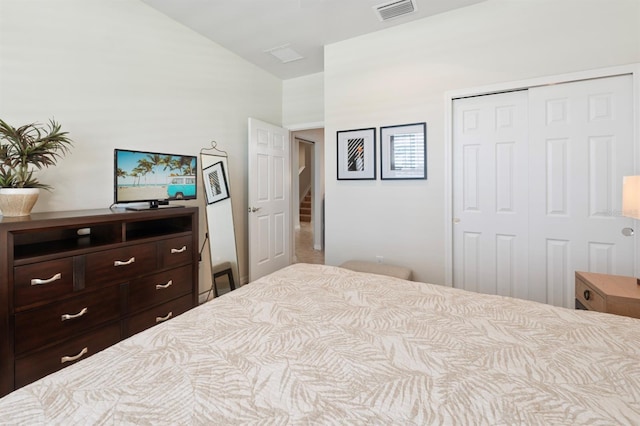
{"x": 18, "y": 201}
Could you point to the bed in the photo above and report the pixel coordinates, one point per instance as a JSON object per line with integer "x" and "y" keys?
{"x": 315, "y": 344}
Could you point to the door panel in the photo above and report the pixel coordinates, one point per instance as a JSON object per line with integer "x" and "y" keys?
{"x": 490, "y": 194}
{"x": 581, "y": 145}
{"x": 269, "y": 204}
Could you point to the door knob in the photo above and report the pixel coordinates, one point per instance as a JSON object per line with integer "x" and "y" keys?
{"x": 254, "y": 209}
{"x": 627, "y": 232}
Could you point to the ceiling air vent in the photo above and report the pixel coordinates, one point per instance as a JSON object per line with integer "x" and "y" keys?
{"x": 284, "y": 53}
{"x": 394, "y": 9}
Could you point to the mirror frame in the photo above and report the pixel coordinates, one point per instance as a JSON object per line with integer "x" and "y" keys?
{"x": 221, "y": 233}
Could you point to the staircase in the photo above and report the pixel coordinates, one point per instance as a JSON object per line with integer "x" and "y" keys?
{"x": 305, "y": 208}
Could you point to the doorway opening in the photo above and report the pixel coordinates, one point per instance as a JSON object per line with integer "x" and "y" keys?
{"x": 308, "y": 195}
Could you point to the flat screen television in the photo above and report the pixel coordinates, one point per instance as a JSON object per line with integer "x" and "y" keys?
{"x": 154, "y": 178}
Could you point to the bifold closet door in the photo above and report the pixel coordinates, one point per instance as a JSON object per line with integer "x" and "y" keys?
{"x": 537, "y": 188}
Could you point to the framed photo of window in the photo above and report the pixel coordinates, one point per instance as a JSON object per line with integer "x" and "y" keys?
{"x": 357, "y": 154}
{"x": 403, "y": 151}
{"x": 215, "y": 183}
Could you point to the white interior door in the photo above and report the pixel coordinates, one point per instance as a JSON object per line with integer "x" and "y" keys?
{"x": 490, "y": 203}
{"x": 581, "y": 147}
{"x": 530, "y": 214}
{"x": 269, "y": 198}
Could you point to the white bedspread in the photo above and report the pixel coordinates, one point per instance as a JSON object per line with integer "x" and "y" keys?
{"x": 316, "y": 344}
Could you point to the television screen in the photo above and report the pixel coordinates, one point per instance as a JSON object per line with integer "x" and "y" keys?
{"x": 153, "y": 177}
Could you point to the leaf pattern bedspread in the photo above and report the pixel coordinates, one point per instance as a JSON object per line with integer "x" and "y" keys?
{"x": 315, "y": 344}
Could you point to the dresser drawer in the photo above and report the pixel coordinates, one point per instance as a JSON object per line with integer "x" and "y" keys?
{"x": 158, "y": 314}
{"x": 42, "y": 281}
{"x": 176, "y": 251}
{"x": 61, "y": 320}
{"x": 586, "y": 295}
{"x": 159, "y": 288}
{"x": 39, "y": 364}
{"x": 121, "y": 264}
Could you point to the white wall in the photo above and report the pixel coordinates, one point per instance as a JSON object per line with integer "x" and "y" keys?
{"x": 400, "y": 75}
{"x": 303, "y": 101}
{"x": 118, "y": 74}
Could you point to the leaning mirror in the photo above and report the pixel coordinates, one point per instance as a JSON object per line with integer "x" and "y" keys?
{"x": 219, "y": 216}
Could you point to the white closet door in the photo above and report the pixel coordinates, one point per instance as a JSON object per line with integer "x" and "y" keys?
{"x": 581, "y": 144}
{"x": 490, "y": 202}
{"x": 537, "y": 188}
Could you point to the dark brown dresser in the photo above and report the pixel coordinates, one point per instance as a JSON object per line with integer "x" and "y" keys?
{"x": 74, "y": 283}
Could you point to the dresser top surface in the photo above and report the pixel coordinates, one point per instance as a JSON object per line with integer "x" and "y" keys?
{"x": 100, "y": 214}
{"x": 613, "y": 285}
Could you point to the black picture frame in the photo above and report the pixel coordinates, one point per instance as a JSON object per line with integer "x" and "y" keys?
{"x": 356, "y": 154}
{"x": 403, "y": 151}
{"x": 215, "y": 183}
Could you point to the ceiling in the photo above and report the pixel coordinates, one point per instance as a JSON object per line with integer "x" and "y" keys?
{"x": 252, "y": 27}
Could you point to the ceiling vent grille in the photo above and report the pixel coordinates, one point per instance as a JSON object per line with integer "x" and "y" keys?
{"x": 284, "y": 53}
{"x": 394, "y": 9}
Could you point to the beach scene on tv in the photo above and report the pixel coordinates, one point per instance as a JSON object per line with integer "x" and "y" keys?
{"x": 143, "y": 176}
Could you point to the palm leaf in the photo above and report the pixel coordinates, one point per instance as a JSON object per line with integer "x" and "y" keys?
{"x": 28, "y": 148}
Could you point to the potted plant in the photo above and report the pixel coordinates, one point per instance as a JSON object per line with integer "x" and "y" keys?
{"x": 23, "y": 151}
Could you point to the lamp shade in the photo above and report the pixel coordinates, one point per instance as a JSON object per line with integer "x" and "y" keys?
{"x": 631, "y": 196}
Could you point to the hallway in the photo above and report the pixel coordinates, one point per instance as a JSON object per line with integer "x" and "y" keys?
{"x": 304, "y": 246}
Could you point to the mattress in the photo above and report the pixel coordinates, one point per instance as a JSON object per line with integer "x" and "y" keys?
{"x": 315, "y": 344}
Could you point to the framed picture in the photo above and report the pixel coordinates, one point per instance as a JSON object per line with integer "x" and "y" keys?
{"x": 215, "y": 183}
{"x": 357, "y": 154}
{"x": 403, "y": 151}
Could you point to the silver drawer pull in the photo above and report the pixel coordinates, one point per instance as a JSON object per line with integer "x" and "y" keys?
{"x": 72, "y": 316}
{"x": 167, "y": 285}
{"x": 38, "y": 281}
{"x": 73, "y": 358}
{"x": 164, "y": 318}
{"x": 180, "y": 250}
{"x": 123, "y": 263}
